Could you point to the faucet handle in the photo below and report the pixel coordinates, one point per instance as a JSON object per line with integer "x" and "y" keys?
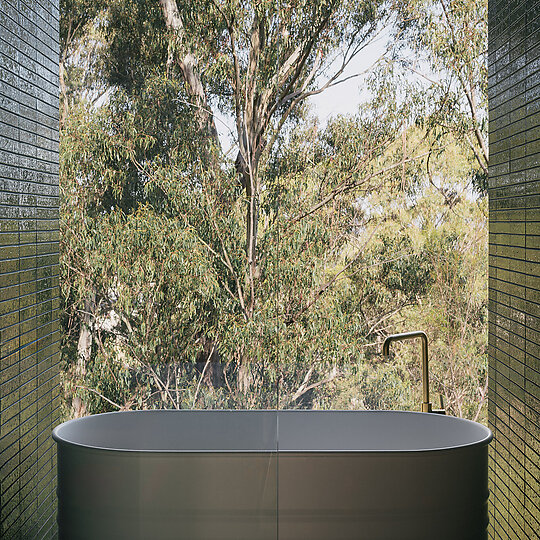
{"x": 442, "y": 410}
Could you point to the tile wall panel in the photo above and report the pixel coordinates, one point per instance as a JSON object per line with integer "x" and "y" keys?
{"x": 29, "y": 303}
{"x": 514, "y": 273}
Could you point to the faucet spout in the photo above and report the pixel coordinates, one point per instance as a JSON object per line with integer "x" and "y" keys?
{"x": 426, "y": 404}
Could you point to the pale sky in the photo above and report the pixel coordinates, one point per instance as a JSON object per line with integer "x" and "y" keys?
{"x": 343, "y": 98}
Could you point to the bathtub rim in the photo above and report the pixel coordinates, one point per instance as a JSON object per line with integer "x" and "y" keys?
{"x": 477, "y": 443}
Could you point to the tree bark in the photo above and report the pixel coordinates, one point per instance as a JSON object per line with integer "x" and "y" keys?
{"x": 209, "y": 364}
{"x": 188, "y": 65}
{"x": 244, "y": 377}
{"x": 84, "y": 345}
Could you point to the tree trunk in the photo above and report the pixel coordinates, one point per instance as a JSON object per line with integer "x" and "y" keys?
{"x": 188, "y": 65}
{"x": 244, "y": 377}
{"x": 213, "y": 372}
{"x": 84, "y": 346}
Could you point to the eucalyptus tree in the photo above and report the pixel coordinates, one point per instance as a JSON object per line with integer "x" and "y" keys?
{"x": 194, "y": 275}
{"x": 443, "y": 43}
{"x": 144, "y": 84}
{"x": 263, "y": 59}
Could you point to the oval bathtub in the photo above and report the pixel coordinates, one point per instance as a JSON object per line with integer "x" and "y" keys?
{"x": 261, "y": 475}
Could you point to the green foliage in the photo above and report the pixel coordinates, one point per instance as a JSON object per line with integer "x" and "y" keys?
{"x": 444, "y": 43}
{"x": 361, "y": 228}
{"x": 369, "y": 387}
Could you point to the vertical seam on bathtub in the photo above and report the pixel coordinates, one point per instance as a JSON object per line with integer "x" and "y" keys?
{"x": 277, "y": 474}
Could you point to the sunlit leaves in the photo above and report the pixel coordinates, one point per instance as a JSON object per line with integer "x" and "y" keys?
{"x": 353, "y": 226}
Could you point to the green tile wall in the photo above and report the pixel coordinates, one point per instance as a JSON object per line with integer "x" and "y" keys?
{"x": 514, "y": 267}
{"x": 29, "y": 331}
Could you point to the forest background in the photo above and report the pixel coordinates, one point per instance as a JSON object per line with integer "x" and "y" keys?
{"x": 268, "y": 274}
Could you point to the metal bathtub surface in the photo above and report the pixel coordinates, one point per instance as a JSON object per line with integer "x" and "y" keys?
{"x": 287, "y": 475}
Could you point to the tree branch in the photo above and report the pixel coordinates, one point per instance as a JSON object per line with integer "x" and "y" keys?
{"x": 329, "y": 283}
{"x": 188, "y": 65}
{"x": 303, "y": 389}
{"x": 345, "y": 186}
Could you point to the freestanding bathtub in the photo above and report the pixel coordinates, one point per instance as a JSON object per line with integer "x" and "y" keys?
{"x": 261, "y": 475}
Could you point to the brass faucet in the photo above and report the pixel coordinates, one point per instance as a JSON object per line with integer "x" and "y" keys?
{"x": 426, "y": 404}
